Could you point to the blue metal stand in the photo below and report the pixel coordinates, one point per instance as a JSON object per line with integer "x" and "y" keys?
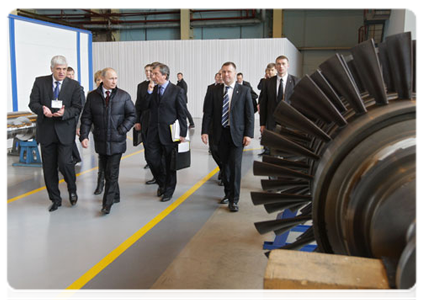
{"x": 29, "y": 155}
{"x": 280, "y": 240}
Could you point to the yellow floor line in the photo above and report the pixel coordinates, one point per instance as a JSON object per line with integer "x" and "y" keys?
{"x": 62, "y": 180}
{"x": 87, "y": 171}
{"x": 96, "y": 269}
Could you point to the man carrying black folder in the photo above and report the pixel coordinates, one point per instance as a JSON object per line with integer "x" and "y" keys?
{"x": 167, "y": 104}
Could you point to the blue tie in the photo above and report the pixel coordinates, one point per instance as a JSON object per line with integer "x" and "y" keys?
{"x": 225, "y": 108}
{"x": 57, "y": 90}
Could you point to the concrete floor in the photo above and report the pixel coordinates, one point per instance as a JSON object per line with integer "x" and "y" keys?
{"x": 191, "y": 242}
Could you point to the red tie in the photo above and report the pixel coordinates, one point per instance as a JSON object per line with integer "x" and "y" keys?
{"x": 107, "y": 98}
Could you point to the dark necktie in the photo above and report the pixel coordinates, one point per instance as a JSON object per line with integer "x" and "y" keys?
{"x": 107, "y": 98}
{"x": 57, "y": 90}
{"x": 225, "y": 108}
{"x": 280, "y": 91}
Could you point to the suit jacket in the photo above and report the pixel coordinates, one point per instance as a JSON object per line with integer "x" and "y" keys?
{"x": 183, "y": 85}
{"x": 254, "y": 96}
{"x": 143, "y": 115}
{"x": 241, "y": 114}
{"x": 65, "y": 126}
{"x": 165, "y": 110}
{"x": 268, "y": 99}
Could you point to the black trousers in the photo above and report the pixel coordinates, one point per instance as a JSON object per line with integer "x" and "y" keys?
{"x": 110, "y": 165}
{"x": 214, "y": 150}
{"x": 160, "y": 156}
{"x": 231, "y": 159}
{"x": 58, "y": 157}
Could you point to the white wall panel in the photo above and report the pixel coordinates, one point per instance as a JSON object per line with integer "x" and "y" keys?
{"x": 42, "y": 42}
{"x": 198, "y": 60}
{"x": 34, "y": 44}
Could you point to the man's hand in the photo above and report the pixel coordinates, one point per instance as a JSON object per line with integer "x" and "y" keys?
{"x": 60, "y": 112}
{"x": 137, "y": 126}
{"x": 262, "y": 128}
{"x": 246, "y": 140}
{"x": 204, "y": 138}
{"x": 47, "y": 112}
{"x": 151, "y": 85}
{"x": 182, "y": 139}
{"x": 84, "y": 143}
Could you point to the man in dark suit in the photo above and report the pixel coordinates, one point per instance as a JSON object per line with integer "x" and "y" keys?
{"x": 167, "y": 104}
{"x": 183, "y": 85}
{"x": 275, "y": 89}
{"x": 254, "y": 96}
{"x": 56, "y": 100}
{"x": 143, "y": 116}
{"x": 213, "y": 148}
{"x": 76, "y": 157}
{"x": 229, "y": 114}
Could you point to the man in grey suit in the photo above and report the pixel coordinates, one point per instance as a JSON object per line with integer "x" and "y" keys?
{"x": 229, "y": 114}
{"x": 56, "y": 100}
{"x": 276, "y": 89}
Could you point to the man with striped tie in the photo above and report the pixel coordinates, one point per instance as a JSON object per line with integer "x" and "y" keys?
{"x": 229, "y": 113}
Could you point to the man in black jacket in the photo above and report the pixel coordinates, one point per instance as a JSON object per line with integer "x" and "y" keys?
{"x": 56, "y": 100}
{"x": 254, "y": 96}
{"x": 143, "y": 116}
{"x": 183, "y": 85}
{"x": 112, "y": 113}
{"x": 229, "y": 114}
{"x": 276, "y": 89}
{"x": 167, "y": 104}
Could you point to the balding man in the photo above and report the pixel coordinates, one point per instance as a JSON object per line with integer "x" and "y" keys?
{"x": 112, "y": 113}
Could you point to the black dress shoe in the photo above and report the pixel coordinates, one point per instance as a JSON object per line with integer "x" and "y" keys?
{"x": 166, "y": 198}
{"x": 73, "y": 198}
{"x": 146, "y": 166}
{"x": 54, "y": 207}
{"x": 116, "y": 201}
{"x": 106, "y": 210}
{"x": 224, "y": 200}
{"x": 152, "y": 181}
{"x": 233, "y": 207}
{"x": 160, "y": 192}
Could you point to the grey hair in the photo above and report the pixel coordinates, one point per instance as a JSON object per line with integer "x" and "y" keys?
{"x": 58, "y": 60}
{"x": 164, "y": 70}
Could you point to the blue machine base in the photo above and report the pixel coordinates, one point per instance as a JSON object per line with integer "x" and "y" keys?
{"x": 280, "y": 240}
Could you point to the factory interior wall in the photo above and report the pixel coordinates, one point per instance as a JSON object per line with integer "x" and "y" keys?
{"x": 32, "y": 45}
{"x": 198, "y": 60}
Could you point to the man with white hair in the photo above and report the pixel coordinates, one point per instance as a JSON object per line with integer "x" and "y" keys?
{"x": 56, "y": 100}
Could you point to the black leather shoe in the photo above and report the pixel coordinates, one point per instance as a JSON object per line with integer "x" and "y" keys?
{"x": 73, "y": 198}
{"x": 146, "y": 166}
{"x": 54, "y": 207}
{"x": 160, "y": 192}
{"x": 152, "y": 181}
{"x": 166, "y": 198}
{"x": 224, "y": 200}
{"x": 106, "y": 210}
{"x": 116, "y": 201}
{"x": 233, "y": 207}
